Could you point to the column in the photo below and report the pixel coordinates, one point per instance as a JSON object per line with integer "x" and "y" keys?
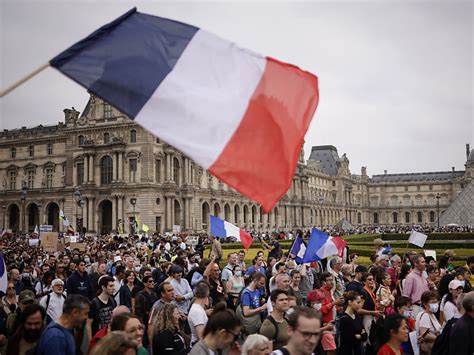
{"x": 114, "y": 169}
{"x": 169, "y": 224}
{"x": 86, "y": 168}
{"x": 114, "y": 211}
{"x": 90, "y": 210}
{"x": 168, "y": 167}
{"x": 91, "y": 168}
{"x": 120, "y": 208}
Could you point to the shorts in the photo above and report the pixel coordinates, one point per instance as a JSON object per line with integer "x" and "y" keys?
{"x": 328, "y": 342}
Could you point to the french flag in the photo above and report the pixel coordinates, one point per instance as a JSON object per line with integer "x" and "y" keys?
{"x": 224, "y": 229}
{"x": 231, "y": 110}
{"x": 321, "y": 246}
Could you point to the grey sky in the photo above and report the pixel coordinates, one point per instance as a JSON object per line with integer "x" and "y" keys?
{"x": 396, "y": 77}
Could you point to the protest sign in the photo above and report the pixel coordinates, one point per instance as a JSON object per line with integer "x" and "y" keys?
{"x": 46, "y": 228}
{"x": 49, "y": 241}
{"x": 80, "y": 246}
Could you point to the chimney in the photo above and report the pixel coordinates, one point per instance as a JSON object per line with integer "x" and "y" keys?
{"x": 468, "y": 150}
{"x": 385, "y": 172}
{"x": 453, "y": 169}
{"x": 363, "y": 171}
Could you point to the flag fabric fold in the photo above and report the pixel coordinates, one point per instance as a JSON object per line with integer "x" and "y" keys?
{"x": 3, "y": 275}
{"x": 224, "y": 229}
{"x": 63, "y": 219}
{"x": 298, "y": 249}
{"x": 321, "y": 246}
{"x": 212, "y": 100}
{"x": 418, "y": 239}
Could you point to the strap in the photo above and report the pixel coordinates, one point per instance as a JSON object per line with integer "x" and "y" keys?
{"x": 275, "y": 324}
{"x": 48, "y": 298}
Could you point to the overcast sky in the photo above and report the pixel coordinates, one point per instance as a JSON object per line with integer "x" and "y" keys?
{"x": 396, "y": 77}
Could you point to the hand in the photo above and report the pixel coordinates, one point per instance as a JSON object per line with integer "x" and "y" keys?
{"x": 179, "y": 298}
{"x": 394, "y": 292}
{"x": 339, "y": 301}
{"x": 264, "y": 307}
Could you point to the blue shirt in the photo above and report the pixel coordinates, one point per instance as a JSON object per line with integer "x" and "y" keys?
{"x": 253, "y": 268}
{"x": 56, "y": 340}
{"x": 251, "y": 298}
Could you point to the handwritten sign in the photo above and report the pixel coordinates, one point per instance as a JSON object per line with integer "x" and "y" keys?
{"x": 80, "y": 246}
{"x": 49, "y": 241}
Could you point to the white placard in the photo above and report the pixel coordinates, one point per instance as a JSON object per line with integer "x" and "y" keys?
{"x": 414, "y": 342}
{"x": 430, "y": 253}
{"x": 46, "y": 228}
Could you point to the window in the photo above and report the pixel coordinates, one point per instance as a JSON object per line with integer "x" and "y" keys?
{"x": 176, "y": 170}
{"x": 106, "y": 170}
{"x": 333, "y": 183}
{"x": 133, "y": 136}
{"x": 50, "y": 148}
{"x": 31, "y": 179}
{"x": 158, "y": 170}
{"x": 106, "y": 138}
{"x": 107, "y": 110}
{"x": 158, "y": 140}
{"x": 431, "y": 187}
{"x": 80, "y": 140}
{"x": 359, "y": 218}
{"x": 420, "y": 217}
{"x": 31, "y": 151}
{"x": 432, "y": 216}
{"x": 395, "y": 217}
{"x": 80, "y": 173}
{"x": 49, "y": 178}
{"x": 133, "y": 169}
{"x": 12, "y": 180}
{"x": 376, "y": 218}
{"x": 418, "y": 188}
{"x": 13, "y": 153}
{"x": 407, "y": 217}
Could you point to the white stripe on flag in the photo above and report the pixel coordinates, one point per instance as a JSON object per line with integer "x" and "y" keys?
{"x": 204, "y": 98}
{"x": 232, "y": 231}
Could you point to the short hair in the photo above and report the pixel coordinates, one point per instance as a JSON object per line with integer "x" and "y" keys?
{"x": 427, "y": 296}
{"x": 202, "y": 290}
{"x": 30, "y": 310}
{"x": 230, "y": 255}
{"x": 73, "y": 302}
{"x": 416, "y": 258}
{"x": 221, "y": 318}
{"x": 161, "y": 287}
{"x": 396, "y": 258}
{"x": 325, "y": 275}
{"x": 334, "y": 260}
{"x": 253, "y": 342}
{"x": 120, "y": 321}
{"x": 104, "y": 281}
{"x": 129, "y": 272}
{"x": 257, "y": 276}
{"x": 391, "y": 322}
{"x": 470, "y": 260}
{"x": 116, "y": 342}
{"x": 468, "y": 301}
{"x": 401, "y": 301}
{"x": 277, "y": 292}
{"x": 294, "y": 272}
{"x": 147, "y": 278}
{"x": 300, "y": 311}
{"x": 279, "y": 265}
{"x": 350, "y": 296}
{"x": 119, "y": 269}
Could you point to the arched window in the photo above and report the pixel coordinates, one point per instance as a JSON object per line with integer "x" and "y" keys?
{"x": 205, "y": 215}
{"x": 106, "y": 170}
{"x": 420, "y": 217}
{"x": 359, "y": 218}
{"x": 432, "y": 216}
{"x": 80, "y": 140}
{"x": 106, "y": 138}
{"x": 133, "y": 136}
{"x": 376, "y": 218}
{"x": 407, "y": 217}
{"x": 395, "y": 217}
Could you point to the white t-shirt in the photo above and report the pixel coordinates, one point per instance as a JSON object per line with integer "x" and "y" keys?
{"x": 450, "y": 311}
{"x": 424, "y": 320}
{"x": 196, "y": 316}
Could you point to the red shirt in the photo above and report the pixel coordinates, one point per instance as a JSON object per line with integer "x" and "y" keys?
{"x": 387, "y": 350}
{"x": 96, "y": 338}
{"x": 327, "y": 305}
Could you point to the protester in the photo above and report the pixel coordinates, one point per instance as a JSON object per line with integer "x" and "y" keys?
{"x": 427, "y": 325}
{"x": 198, "y": 313}
{"x": 252, "y": 308}
{"x": 53, "y": 302}
{"x": 462, "y": 333}
{"x": 395, "y": 332}
{"x": 126, "y": 289}
{"x": 235, "y": 284}
{"x": 116, "y": 343}
{"x": 450, "y": 309}
{"x": 132, "y": 326}
{"x": 274, "y": 327}
{"x": 168, "y": 337}
{"x": 351, "y": 328}
{"x": 415, "y": 283}
{"x": 182, "y": 291}
{"x": 101, "y": 307}
{"x": 329, "y": 306}
{"x": 256, "y": 344}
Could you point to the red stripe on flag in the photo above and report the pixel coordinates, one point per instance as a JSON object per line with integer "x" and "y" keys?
{"x": 245, "y": 239}
{"x": 260, "y": 158}
{"x": 340, "y": 245}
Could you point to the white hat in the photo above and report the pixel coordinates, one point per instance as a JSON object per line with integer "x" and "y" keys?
{"x": 454, "y": 284}
{"x": 117, "y": 258}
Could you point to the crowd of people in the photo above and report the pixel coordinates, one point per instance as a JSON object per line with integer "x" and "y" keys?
{"x": 159, "y": 295}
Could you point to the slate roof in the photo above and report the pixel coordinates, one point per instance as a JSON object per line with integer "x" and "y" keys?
{"x": 410, "y": 177}
{"x": 328, "y": 156}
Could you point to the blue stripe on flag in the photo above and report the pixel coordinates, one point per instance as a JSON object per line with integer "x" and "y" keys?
{"x": 2, "y": 266}
{"x": 218, "y": 227}
{"x": 125, "y": 61}
{"x": 317, "y": 239}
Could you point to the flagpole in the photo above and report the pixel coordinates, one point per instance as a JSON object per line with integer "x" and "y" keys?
{"x": 21, "y": 81}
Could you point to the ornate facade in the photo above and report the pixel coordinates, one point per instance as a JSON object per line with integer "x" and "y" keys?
{"x": 102, "y": 169}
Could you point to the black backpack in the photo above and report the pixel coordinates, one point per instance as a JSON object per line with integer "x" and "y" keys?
{"x": 441, "y": 344}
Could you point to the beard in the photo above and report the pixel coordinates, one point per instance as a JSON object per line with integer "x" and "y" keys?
{"x": 32, "y": 336}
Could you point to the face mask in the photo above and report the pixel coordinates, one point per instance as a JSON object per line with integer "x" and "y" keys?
{"x": 317, "y": 306}
{"x": 87, "y": 260}
{"x": 463, "y": 283}
{"x": 138, "y": 268}
{"x": 434, "y": 307}
{"x": 408, "y": 314}
{"x": 238, "y": 273}
{"x": 289, "y": 311}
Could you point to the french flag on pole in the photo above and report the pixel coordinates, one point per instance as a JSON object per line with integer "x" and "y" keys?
{"x": 321, "y": 246}
{"x": 224, "y": 229}
{"x": 217, "y": 103}
{"x": 3, "y": 275}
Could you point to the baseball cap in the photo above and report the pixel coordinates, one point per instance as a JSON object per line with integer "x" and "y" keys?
{"x": 26, "y": 296}
{"x": 454, "y": 284}
{"x": 57, "y": 282}
{"x": 117, "y": 258}
{"x": 361, "y": 268}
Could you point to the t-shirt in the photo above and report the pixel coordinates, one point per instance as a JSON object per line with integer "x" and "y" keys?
{"x": 251, "y": 298}
{"x": 268, "y": 329}
{"x": 387, "y": 350}
{"x": 425, "y": 320}
{"x": 56, "y": 340}
{"x": 101, "y": 313}
{"x": 196, "y": 316}
{"x": 253, "y": 268}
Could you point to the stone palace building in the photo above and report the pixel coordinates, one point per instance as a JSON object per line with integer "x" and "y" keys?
{"x": 104, "y": 171}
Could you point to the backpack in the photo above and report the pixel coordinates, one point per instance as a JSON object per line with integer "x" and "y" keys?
{"x": 441, "y": 344}
{"x": 249, "y": 324}
{"x": 275, "y": 324}
{"x": 48, "y": 299}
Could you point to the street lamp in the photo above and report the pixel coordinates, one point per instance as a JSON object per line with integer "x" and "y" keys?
{"x": 133, "y": 202}
{"x": 24, "y": 192}
{"x": 77, "y": 198}
{"x": 4, "y": 212}
{"x": 438, "y": 196}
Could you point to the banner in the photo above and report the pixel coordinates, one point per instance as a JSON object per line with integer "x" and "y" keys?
{"x": 45, "y": 228}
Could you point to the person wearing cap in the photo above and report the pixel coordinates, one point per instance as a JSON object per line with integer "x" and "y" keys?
{"x": 356, "y": 284}
{"x": 450, "y": 309}
{"x": 182, "y": 291}
{"x": 54, "y": 301}
{"x": 25, "y": 298}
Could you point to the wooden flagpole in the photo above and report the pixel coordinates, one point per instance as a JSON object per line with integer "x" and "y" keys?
{"x": 21, "y": 81}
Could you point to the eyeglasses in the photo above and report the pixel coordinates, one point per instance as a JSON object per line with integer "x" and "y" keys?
{"x": 236, "y": 336}
{"x": 308, "y": 335}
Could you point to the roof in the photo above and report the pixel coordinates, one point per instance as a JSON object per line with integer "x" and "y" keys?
{"x": 328, "y": 156}
{"x": 410, "y": 177}
{"x": 471, "y": 156}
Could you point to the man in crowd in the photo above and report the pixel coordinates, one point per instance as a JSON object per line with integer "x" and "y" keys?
{"x": 101, "y": 307}
{"x": 28, "y": 333}
{"x": 53, "y": 302}
{"x": 416, "y": 283}
{"x": 462, "y": 332}
{"x": 13, "y": 322}
{"x": 329, "y": 306}
{"x": 216, "y": 248}
{"x": 356, "y": 284}
{"x": 79, "y": 282}
{"x": 275, "y": 326}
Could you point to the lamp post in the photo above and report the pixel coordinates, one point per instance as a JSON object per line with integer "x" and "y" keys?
{"x": 4, "y": 213}
{"x": 24, "y": 192}
{"x": 438, "y": 196}
{"x": 133, "y": 202}
{"x": 77, "y": 198}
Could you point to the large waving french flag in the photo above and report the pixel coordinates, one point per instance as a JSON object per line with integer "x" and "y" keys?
{"x": 231, "y": 110}
{"x": 321, "y": 245}
{"x": 224, "y": 229}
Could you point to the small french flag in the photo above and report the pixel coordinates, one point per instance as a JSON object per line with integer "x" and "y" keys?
{"x": 224, "y": 229}
{"x": 321, "y": 246}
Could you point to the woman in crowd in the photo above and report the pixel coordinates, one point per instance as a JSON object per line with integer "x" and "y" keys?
{"x": 235, "y": 283}
{"x": 131, "y": 325}
{"x": 115, "y": 343}
{"x": 346, "y": 271}
{"x": 257, "y": 344}
{"x": 295, "y": 279}
{"x": 220, "y": 334}
{"x": 427, "y": 326}
{"x": 168, "y": 337}
{"x": 450, "y": 309}
{"x": 370, "y": 307}
{"x": 404, "y": 271}
{"x": 127, "y": 289}
{"x": 351, "y": 329}
{"x": 182, "y": 291}
{"x": 44, "y": 287}
{"x": 402, "y": 306}
{"x": 385, "y": 297}
{"x": 353, "y": 262}
{"x": 395, "y": 333}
